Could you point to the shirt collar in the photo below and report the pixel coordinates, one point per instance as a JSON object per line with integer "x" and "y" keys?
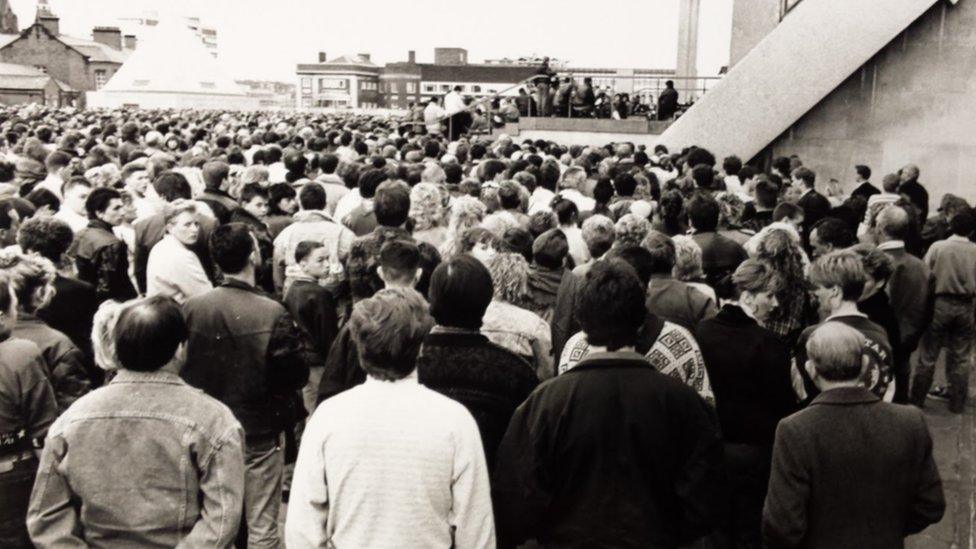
{"x": 159, "y": 376}
{"x": 845, "y": 315}
{"x": 892, "y": 245}
{"x": 409, "y": 380}
{"x": 957, "y": 238}
{"x": 845, "y": 395}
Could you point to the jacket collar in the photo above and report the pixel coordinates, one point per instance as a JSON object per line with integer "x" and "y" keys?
{"x": 99, "y": 224}
{"x": 239, "y": 285}
{"x": 846, "y": 395}
{"x": 611, "y": 360}
{"x": 451, "y": 337}
{"x": 159, "y": 376}
{"x": 734, "y": 314}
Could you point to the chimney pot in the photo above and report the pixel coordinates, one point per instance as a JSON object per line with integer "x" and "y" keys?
{"x": 411, "y": 56}
{"x": 321, "y": 57}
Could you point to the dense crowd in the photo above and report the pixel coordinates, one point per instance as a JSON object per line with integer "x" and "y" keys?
{"x": 411, "y": 340}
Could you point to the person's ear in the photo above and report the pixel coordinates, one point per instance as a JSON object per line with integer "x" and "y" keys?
{"x": 417, "y": 275}
{"x": 811, "y": 369}
{"x": 379, "y": 273}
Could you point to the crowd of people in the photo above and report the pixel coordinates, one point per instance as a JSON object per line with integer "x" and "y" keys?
{"x": 213, "y": 324}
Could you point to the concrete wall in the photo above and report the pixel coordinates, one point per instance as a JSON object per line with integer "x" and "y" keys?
{"x": 914, "y": 102}
{"x": 18, "y": 97}
{"x": 752, "y": 20}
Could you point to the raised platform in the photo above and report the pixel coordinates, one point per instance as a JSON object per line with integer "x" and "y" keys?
{"x": 587, "y": 131}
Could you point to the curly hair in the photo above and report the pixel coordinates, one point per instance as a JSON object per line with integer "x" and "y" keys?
{"x": 29, "y": 273}
{"x": 783, "y": 254}
{"x": 630, "y": 230}
{"x": 426, "y": 208}
{"x": 688, "y": 259}
{"x": 510, "y": 276}
{"x": 730, "y": 210}
{"x": 48, "y": 236}
{"x": 466, "y": 212}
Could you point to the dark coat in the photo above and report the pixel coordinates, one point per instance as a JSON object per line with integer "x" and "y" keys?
{"x": 918, "y": 196}
{"x": 342, "y": 370}
{"x": 72, "y": 311}
{"x": 851, "y": 471}
{"x": 815, "y": 207}
{"x": 245, "y": 350}
{"x": 908, "y": 293}
{"x": 488, "y": 380}
{"x": 314, "y": 308}
{"x": 221, "y": 204}
{"x": 749, "y": 369}
{"x": 102, "y": 260}
{"x": 720, "y": 257}
{"x": 667, "y": 104}
{"x": 865, "y": 190}
{"x": 610, "y": 454}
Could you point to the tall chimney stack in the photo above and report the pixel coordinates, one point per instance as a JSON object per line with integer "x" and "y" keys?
{"x": 411, "y": 57}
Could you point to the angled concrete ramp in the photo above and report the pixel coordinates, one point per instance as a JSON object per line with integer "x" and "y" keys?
{"x": 811, "y": 52}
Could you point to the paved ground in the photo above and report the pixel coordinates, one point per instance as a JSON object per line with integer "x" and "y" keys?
{"x": 954, "y": 453}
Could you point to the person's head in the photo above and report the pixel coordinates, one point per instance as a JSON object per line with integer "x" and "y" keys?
{"x": 835, "y": 354}
{"x": 387, "y": 330}
{"x": 830, "y": 234}
{"x": 703, "y": 176}
{"x": 625, "y": 184}
{"x": 630, "y": 229}
{"x": 890, "y": 183}
{"x": 731, "y": 165}
{"x": 182, "y": 222}
{"x": 731, "y": 208}
{"x": 662, "y": 251}
{"x": 460, "y": 292}
{"x": 877, "y": 267}
{"x": 254, "y": 200}
{"x": 767, "y": 193}
{"x": 313, "y": 258}
{"x": 426, "y": 207}
{"x": 787, "y": 212}
{"x": 550, "y": 249}
{"x": 75, "y": 192}
{"x": 45, "y": 202}
{"x": 863, "y": 173}
{"x": 566, "y": 211}
{"x": 149, "y": 334}
{"x": 282, "y": 199}
{"x": 963, "y": 223}
{"x": 893, "y": 223}
{"x": 103, "y": 334}
{"x": 234, "y": 249}
{"x": 756, "y": 286}
{"x": 106, "y": 205}
{"x": 392, "y": 204}
{"x": 703, "y": 212}
{"x": 135, "y": 177}
{"x": 215, "y": 175}
{"x": 369, "y": 181}
{"x": 909, "y": 173}
{"x": 31, "y": 277}
{"x": 610, "y": 305}
{"x": 688, "y": 259}
{"x": 804, "y": 177}
{"x": 574, "y": 178}
{"x": 838, "y": 278}
{"x": 669, "y": 84}
{"x": 312, "y": 197}
{"x": 46, "y": 236}
{"x": 172, "y": 186}
{"x": 510, "y": 277}
{"x": 509, "y": 195}
{"x": 399, "y": 263}
{"x": 598, "y": 234}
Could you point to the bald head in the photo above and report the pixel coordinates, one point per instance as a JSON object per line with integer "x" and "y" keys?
{"x": 909, "y": 172}
{"x": 893, "y": 223}
{"x": 834, "y": 350}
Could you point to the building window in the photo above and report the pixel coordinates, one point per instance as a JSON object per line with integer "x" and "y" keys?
{"x": 100, "y": 79}
{"x": 367, "y": 86}
{"x": 332, "y": 84}
{"x": 476, "y": 89}
{"x": 307, "y": 85}
{"x": 430, "y": 88}
{"x": 445, "y": 87}
{"x": 411, "y": 87}
{"x": 394, "y": 98}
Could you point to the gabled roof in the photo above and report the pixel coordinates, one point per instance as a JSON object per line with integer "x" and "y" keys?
{"x": 95, "y": 51}
{"x": 351, "y": 60}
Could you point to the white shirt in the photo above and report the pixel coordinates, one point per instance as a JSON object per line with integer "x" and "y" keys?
{"x": 349, "y": 202}
{"x": 583, "y": 203}
{"x": 577, "y": 246}
{"x": 53, "y": 183}
{"x": 173, "y": 270}
{"x": 390, "y": 464}
{"x": 76, "y": 221}
{"x": 454, "y": 103}
{"x": 540, "y": 199}
{"x": 432, "y": 117}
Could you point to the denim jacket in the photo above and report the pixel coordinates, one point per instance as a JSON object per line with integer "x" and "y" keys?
{"x": 146, "y": 461}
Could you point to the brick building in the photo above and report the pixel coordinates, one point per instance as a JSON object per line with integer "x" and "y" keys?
{"x": 346, "y": 81}
{"x": 22, "y": 84}
{"x": 81, "y": 64}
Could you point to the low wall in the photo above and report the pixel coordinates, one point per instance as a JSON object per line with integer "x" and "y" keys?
{"x": 587, "y": 131}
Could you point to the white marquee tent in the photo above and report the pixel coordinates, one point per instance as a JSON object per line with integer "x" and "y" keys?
{"x": 171, "y": 68}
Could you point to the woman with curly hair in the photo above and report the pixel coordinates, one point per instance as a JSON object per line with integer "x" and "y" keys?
{"x": 466, "y": 212}
{"x": 630, "y": 230}
{"x": 730, "y": 210}
{"x": 507, "y": 323}
{"x": 32, "y": 280}
{"x": 427, "y": 214}
{"x": 783, "y": 254}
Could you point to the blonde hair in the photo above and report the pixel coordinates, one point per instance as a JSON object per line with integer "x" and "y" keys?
{"x": 103, "y": 333}
{"x": 27, "y": 273}
{"x": 173, "y": 209}
{"x": 510, "y": 277}
{"x": 425, "y": 206}
{"x": 687, "y": 259}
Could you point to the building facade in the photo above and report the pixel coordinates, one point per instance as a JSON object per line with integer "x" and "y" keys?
{"x": 402, "y": 83}
{"x": 82, "y": 64}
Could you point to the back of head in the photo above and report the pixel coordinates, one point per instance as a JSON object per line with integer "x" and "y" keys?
{"x": 767, "y": 194}
{"x": 731, "y": 165}
{"x": 638, "y": 258}
{"x": 625, "y": 184}
{"x": 392, "y": 204}
{"x": 460, "y": 292}
{"x": 599, "y": 234}
{"x": 231, "y": 247}
{"x": 893, "y": 223}
{"x": 171, "y": 186}
{"x": 214, "y": 174}
{"x": 836, "y": 233}
{"x": 703, "y": 212}
{"x": 399, "y": 260}
{"x": 510, "y": 277}
{"x": 963, "y": 223}
{"x": 369, "y": 180}
{"x": 836, "y": 349}
{"x": 312, "y": 197}
{"x": 786, "y": 211}
{"x": 662, "y": 251}
{"x": 704, "y": 176}
{"x": 387, "y": 330}
{"x": 610, "y": 305}
{"x": 753, "y": 275}
{"x": 47, "y": 236}
{"x": 148, "y": 333}
{"x": 863, "y": 171}
{"x": 550, "y": 249}
{"x": 805, "y": 175}
{"x": 840, "y": 269}
{"x": 890, "y": 183}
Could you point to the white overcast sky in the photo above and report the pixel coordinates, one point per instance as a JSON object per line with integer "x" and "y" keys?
{"x": 266, "y": 38}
